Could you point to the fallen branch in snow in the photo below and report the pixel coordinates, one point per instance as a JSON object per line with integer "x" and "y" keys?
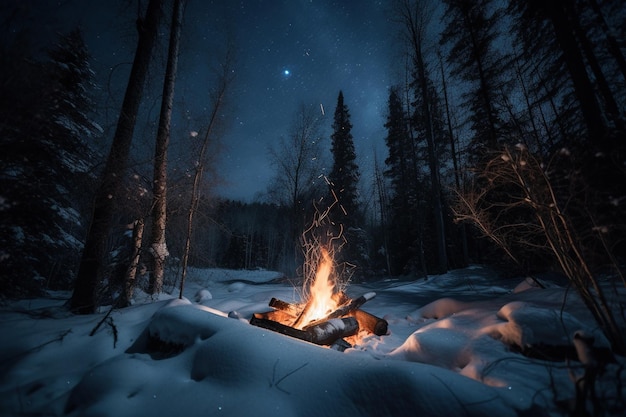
{"x": 275, "y": 383}
{"x": 109, "y": 321}
{"x": 34, "y": 349}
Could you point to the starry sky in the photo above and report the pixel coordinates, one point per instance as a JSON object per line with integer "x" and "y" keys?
{"x": 288, "y": 53}
{"x": 295, "y": 52}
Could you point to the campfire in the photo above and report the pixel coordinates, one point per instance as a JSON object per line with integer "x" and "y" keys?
{"x": 327, "y": 317}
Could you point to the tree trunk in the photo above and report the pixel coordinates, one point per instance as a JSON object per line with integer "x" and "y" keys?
{"x": 131, "y": 273}
{"x": 433, "y": 162}
{"x": 613, "y": 44}
{"x": 610, "y": 105}
{"x": 89, "y": 275}
{"x": 453, "y": 153}
{"x": 583, "y": 87}
{"x": 159, "y": 206}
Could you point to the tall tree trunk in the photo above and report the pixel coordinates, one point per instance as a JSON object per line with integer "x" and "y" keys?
{"x": 433, "y": 162}
{"x": 89, "y": 275}
{"x": 613, "y": 45}
{"x": 610, "y": 105}
{"x": 384, "y": 207}
{"x": 529, "y": 106}
{"x": 453, "y": 153}
{"x": 583, "y": 88}
{"x": 158, "y": 247}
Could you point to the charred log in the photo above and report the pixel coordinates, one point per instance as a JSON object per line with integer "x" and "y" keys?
{"x": 325, "y": 333}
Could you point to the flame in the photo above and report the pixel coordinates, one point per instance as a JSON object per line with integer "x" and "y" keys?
{"x": 321, "y": 301}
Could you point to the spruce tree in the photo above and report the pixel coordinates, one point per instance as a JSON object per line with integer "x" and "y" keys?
{"x": 344, "y": 176}
{"x": 404, "y": 184}
{"x": 471, "y": 31}
{"x": 46, "y": 166}
{"x": 346, "y": 215}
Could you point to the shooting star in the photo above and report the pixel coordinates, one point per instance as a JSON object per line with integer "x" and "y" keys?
{"x": 322, "y": 109}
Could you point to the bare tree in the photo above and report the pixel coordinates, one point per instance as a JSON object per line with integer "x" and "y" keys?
{"x": 297, "y": 159}
{"x": 517, "y": 206}
{"x": 225, "y": 79}
{"x": 89, "y": 275}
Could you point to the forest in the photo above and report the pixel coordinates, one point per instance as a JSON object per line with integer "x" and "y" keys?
{"x": 505, "y": 138}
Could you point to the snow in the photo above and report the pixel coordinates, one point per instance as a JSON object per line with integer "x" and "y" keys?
{"x": 449, "y": 351}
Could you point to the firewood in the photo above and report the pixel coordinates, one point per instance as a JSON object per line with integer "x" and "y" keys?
{"x": 325, "y": 333}
{"x": 261, "y": 320}
{"x": 370, "y": 322}
{"x": 367, "y": 321}
{"x": 344, "y": 309}
{"x": 290, "y": 308}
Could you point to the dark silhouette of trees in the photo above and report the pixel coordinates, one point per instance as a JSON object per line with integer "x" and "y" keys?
{"x": 404, "y": 246}
{"x": 425, "y": 145}
{"x": 84, "y": 298}
{"x": 471, "y": 30}
{"x": 47, "y": 161}
{"x": 562, "y": 41}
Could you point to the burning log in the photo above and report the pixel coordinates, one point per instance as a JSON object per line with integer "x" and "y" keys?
{"x": 287, "y": 313}
{"x": 344, "y": 309}
{"x": 322, "y": 334}
{"x": 370, "y": 322}
{"x": 293, "y": 309}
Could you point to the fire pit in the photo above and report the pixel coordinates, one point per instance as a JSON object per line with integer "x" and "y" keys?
{"x": 327, "y": 317}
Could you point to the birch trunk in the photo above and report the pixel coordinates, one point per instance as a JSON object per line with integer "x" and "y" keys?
{"x": 159, "y": 207}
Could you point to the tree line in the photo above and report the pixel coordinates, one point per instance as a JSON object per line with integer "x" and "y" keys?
{"x": 544, "y": 79}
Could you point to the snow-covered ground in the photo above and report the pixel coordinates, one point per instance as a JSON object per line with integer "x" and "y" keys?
{"x": 450, "y": 351}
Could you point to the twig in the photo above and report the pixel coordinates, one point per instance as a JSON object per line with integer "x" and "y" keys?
{"x": 275, "y": 383}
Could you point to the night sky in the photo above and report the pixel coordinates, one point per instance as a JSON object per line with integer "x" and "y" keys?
{"x": 288, "y": 53}
{"x": 299, "y": 52}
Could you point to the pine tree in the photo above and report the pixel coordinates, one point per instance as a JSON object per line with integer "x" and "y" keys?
{"x": 471, "y": 30}
{"x": 46, "y": 165}
{"x": 404, "y": 184}
{"x": 346, "y": 215}
{"x": 344, "y": 176}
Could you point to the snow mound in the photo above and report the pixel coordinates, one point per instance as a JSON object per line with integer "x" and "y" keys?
{"x": 440, "y": 308}
{"x": 437, "y": 346}
{"x": 203, "y": 295}
{"x": 235, "y": 369}
{"x": 526, "y": 325}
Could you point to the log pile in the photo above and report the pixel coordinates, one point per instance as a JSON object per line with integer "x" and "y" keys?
{"x": 347, "y": 320}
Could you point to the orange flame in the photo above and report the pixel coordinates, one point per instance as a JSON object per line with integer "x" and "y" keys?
{"x": 321, "y": 301}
